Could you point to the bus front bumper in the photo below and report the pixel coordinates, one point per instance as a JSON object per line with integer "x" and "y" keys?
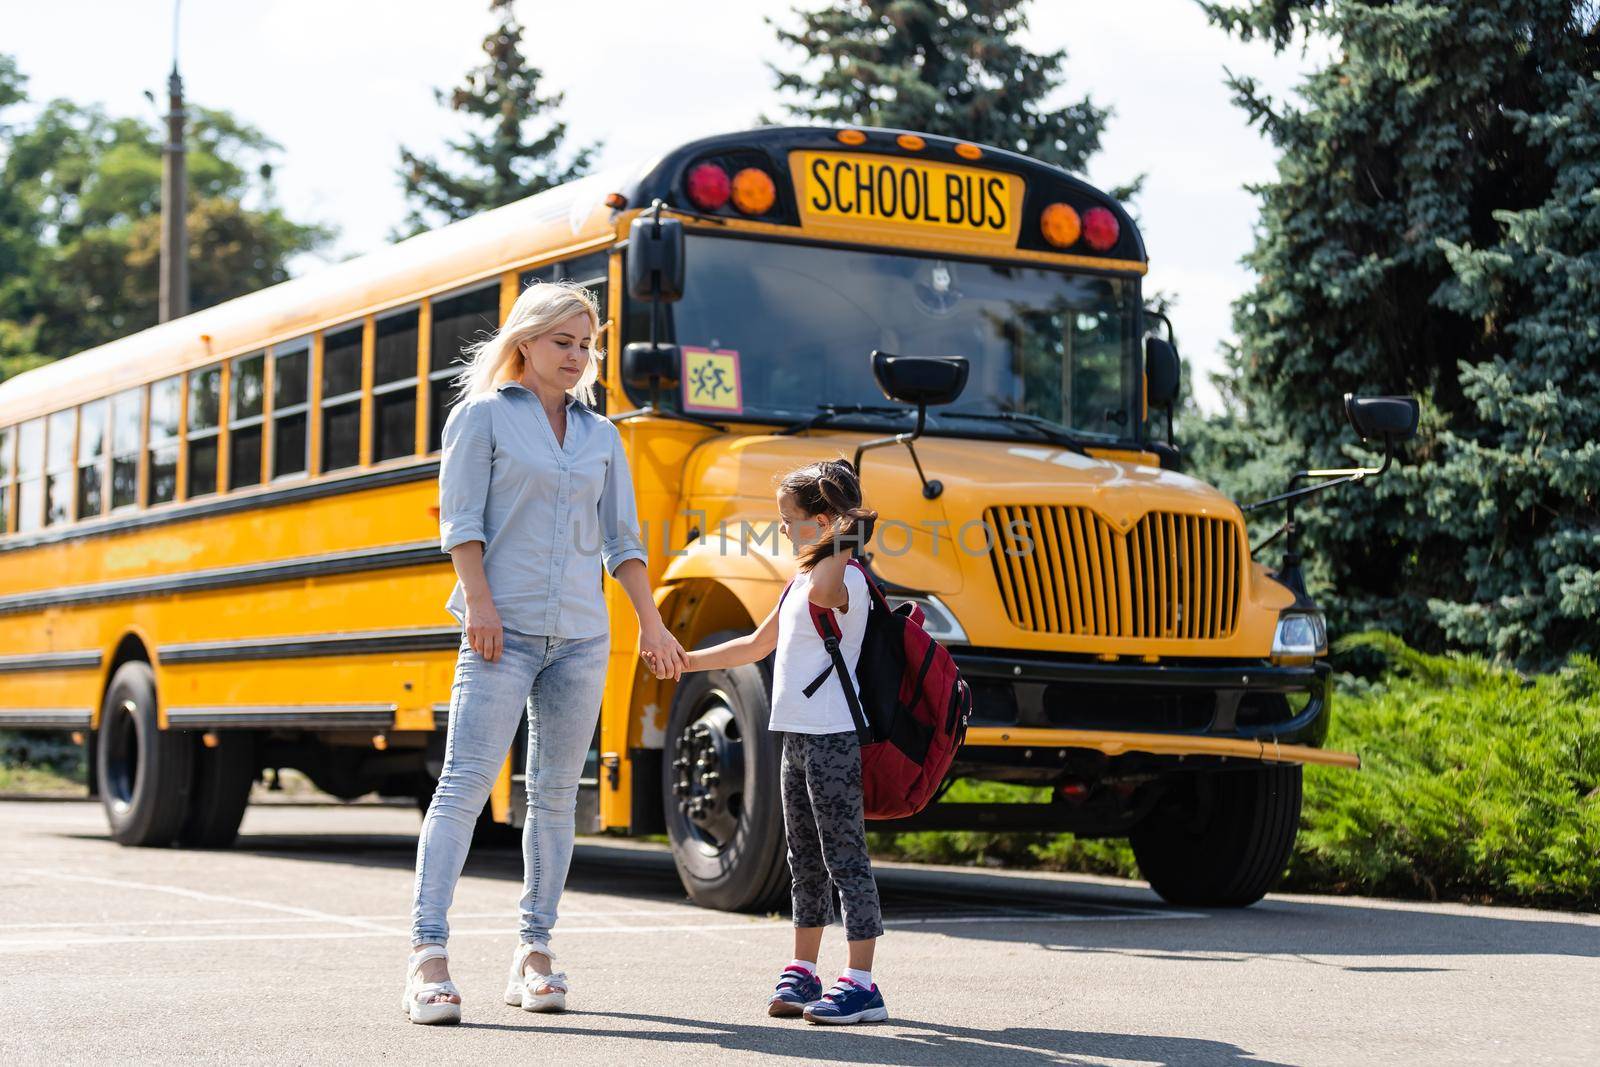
{"x": 1251, "y": 710}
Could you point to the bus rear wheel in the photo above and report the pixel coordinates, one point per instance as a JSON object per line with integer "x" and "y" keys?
{"x": 720, "y": 790}
{"x": 144, "y": 772}
{"x": 223, "y": 775}
{"x": 1223, "y": 840}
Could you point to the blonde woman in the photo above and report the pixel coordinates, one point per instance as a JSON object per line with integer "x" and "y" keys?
{"x": 531, "y": 481}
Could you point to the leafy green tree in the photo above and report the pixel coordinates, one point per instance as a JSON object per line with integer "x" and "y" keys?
{"x": 951, "y": 67}
{"x": 80, "y": 201}
{"x": 1432, "y": 229}
{"x": 507, "y": 160}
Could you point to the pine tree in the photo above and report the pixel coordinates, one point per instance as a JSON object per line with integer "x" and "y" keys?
{"x": 950, "y": 67}
{"x": 1433, "y": 229}
{"x": 506, "y": 161}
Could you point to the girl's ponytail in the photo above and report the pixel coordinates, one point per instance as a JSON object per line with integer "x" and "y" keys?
{"x": 831, "y": 485}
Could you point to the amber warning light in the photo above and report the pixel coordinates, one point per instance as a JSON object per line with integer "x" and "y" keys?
{"x": 1063, "y": 227}
{"x": 752, "y": 190}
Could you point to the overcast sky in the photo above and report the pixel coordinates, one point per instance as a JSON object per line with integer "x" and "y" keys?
{"x": 341, "y": 83}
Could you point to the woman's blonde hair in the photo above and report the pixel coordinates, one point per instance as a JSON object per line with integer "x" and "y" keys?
{"x": 541, "y": 308}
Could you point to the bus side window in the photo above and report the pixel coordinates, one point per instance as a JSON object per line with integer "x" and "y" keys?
{"x": 458, "y": 321}
{"x": 8, "y": 442}
{"x": 246, "y": 402}
{"x": 127, "y": 412}
{"x": 205, "y": 413}
{"x": 291, "y": 401}
{"x": 30, "y": 475}
{"x": 165, "y": 430}
{"x": 394, "y": 386}
{"x": 341, "y": 398}
{"x": 60, "y": 429}
{"x": 91, "y": 458}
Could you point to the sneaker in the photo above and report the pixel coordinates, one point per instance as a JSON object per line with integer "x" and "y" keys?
{"x": 797, "y": 987}
{"x": 848, "y": 1002}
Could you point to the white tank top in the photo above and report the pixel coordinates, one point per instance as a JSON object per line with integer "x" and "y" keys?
{"x": 801, "y": 656}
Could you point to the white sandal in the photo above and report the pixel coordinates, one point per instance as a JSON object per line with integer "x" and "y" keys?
{"x": 531, "y": 991}
{"x": 417, "y": 999}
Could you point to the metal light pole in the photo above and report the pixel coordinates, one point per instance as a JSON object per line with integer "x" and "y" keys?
{"x": 174, "y": 301}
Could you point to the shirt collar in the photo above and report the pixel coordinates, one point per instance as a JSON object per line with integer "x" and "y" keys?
{"x": 518, "y": 386}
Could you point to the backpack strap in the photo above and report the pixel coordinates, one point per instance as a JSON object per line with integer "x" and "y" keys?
{"x": 827, "y": 625}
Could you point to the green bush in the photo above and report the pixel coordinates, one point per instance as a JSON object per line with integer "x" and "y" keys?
{"x": 1477, "y": 783}
{"x": 34, "y": 761}
{"x": 1052, "y": 852}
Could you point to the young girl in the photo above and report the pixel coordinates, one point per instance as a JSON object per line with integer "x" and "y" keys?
{"x": 823, "y": 517}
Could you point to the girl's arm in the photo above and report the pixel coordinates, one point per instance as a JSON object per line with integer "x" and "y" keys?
{"x": 827, "y": 583}
{"x": 740, "y": 650}
{"x": 659, "y": 648}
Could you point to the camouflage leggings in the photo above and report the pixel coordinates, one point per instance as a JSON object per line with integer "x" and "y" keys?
{"x": 827, "y": 834}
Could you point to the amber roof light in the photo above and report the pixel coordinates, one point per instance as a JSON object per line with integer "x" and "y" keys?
{"x": 754, "y": 192}
{"x": 1060, "y": 225}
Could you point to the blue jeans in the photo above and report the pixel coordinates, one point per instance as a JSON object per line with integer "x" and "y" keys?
{"x": 558, "y": 682}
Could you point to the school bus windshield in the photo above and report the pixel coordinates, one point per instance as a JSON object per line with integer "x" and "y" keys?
{"x": 803, "y": 320}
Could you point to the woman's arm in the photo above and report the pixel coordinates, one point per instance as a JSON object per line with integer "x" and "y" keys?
{"x": 468, "y": 452}
{"x": 623, "y": 555}
{"x": 740, "y": 650}
{"x": 484, "y": 632}
{"x": 661, "y": 651}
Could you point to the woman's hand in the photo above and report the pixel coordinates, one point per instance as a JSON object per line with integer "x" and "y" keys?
{"x": 484, "y": 632}
{"x": 661, "y": 651}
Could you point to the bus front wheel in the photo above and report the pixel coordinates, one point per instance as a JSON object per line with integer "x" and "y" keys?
{"x": 145, "y": 772}
{"x": 720, "y": 790}
{"x": 1223, "y": 839}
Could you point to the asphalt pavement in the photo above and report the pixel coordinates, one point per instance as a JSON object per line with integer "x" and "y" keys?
{"x": 289, "y": 948}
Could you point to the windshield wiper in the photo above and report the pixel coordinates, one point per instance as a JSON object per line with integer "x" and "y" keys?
{"x": 1054, "y": 431}
{"x": 829, "y": 412}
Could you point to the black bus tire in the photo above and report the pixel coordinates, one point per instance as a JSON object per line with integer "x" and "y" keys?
{"x": 221, "y": 790}
{"x": 1227, "y": 844}
{"x": 145, "y": 772}
{"x": 730, "y": 852}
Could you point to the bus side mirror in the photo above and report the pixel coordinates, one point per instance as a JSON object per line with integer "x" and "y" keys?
{"x": 1162, "y": 373}
{"x": 655, "y": 259}
{"x": 1393, "y": 418}
{"x": 647, "y": 366}
{"x": 920, "y": 380}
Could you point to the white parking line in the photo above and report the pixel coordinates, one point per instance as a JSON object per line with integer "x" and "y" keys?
{"x": 242, "y": 920}
{"x": 752, "y": 923}
{"x": 194, "y": 894}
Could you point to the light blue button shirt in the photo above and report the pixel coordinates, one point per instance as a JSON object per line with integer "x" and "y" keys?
{"x": 549, "y": 513}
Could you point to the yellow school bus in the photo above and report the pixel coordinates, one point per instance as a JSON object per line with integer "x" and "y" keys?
{"x": 219, "y": 536}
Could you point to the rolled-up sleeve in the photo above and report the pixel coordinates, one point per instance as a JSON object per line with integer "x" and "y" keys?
{"x": 619, "y": 515}
{"x": 464, "y": 475}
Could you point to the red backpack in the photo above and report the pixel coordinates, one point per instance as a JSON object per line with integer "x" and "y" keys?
{"x": 908, "y": 699}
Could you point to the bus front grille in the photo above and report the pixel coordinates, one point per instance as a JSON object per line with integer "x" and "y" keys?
{"x": 1066, "y": 570}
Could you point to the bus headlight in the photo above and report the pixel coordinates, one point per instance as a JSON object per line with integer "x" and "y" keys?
{"x": 938, "y": 620}
{"x": 1301, "y": 636}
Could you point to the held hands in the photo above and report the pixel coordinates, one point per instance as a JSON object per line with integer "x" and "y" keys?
{"x": 661, "y": 651}
{"x": 484, "y": 632}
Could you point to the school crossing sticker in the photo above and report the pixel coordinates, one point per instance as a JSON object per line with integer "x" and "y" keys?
{"x": 711, "y": 381}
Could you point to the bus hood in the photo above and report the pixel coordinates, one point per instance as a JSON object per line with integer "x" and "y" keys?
{"x": 921, "y": 543}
